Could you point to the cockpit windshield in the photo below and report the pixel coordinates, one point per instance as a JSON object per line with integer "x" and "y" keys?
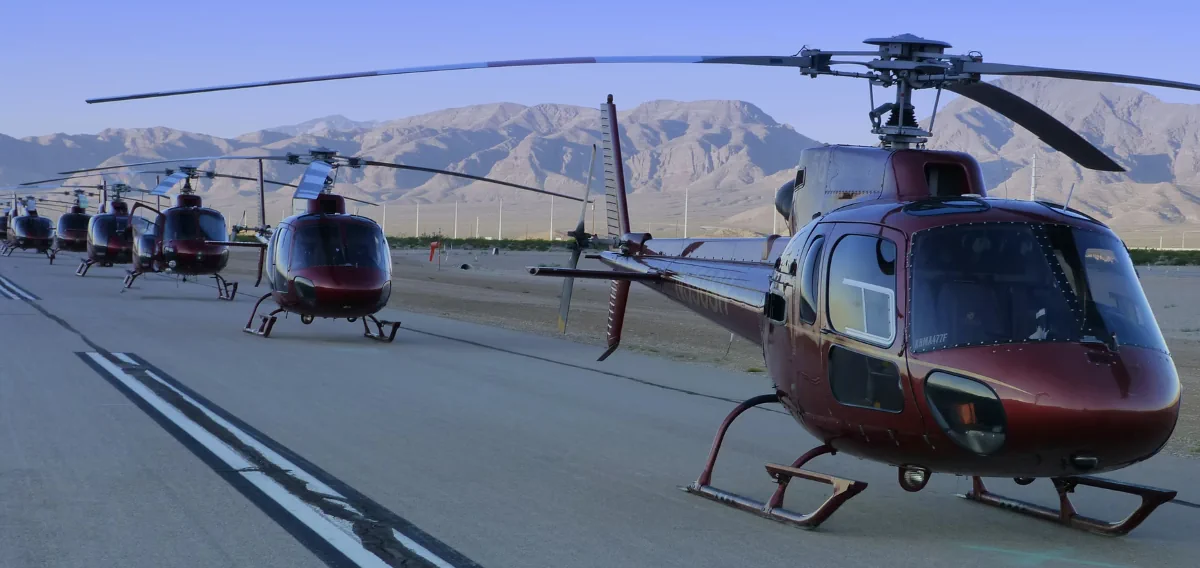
{"x": 994, "y": 283}
{"x": 194, "y": 224}
{"x": 109, "y": 228}
{"x": 340, "y": 244}
{"x": 72, "y": 222}
{"x": 33, "y": 227}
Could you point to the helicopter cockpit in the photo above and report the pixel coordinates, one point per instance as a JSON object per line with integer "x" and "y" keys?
{"x": 194, "y": 225}
{"x": 341, "y": 244}
{"x": 32, "y": 227}
{"x": 993, "y": 283}
{"x": 109, "y": 231}
{"x": 69, "y": 223}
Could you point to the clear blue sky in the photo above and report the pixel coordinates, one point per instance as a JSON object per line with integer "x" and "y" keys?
{"x": 56, "y": 54}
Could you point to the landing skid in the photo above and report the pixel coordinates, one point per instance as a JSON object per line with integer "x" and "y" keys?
{"x": 51, "y": 254}
{"x": 843, "y": 489}
{"x": 226, "y": 290}
{"x": 84, "y": 265}
{"x": 130, "y": 276}
{"x": 8, "y": 250}
{"x": 267, "y": 323}
{"x": 1066, "y": 515}
{"x": 379, "y": 335}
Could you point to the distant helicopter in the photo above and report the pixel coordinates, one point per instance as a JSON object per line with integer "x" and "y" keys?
{"x": 181, "y": 239}
{"x": 28, "y": 229}
{"x": 910, "y": 319}
{"x": 324, "y": 262}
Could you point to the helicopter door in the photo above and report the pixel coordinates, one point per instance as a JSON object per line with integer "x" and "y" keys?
{"x": 862, "y": 340}
{"x": 790, "y": 320}
{"x": 282, "y": 248}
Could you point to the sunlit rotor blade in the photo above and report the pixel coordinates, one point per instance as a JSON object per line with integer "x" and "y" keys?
{"x": 1049, "y": 129}
{"x": 73, "y": 177}
{"x": 199, "y": 159}
{"x": 760, "y": 60}
{"x": 371, "y": 203}
{"x": 985, "y": 68}
{"x": 168, "y": 182}
{"x": 313, "y": 182}
{"x": 469, "y": 176}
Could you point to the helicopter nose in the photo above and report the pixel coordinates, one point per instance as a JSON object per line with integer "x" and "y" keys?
{"x": 1094, "y": 410}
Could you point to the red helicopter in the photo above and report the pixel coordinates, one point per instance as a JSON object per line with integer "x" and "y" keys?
{"x": 28, "y": 229}
{"x": 180, "y": 239}
{"x": 911, "y": 319}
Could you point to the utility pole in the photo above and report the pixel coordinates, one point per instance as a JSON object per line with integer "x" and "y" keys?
{"x": 418, "y": 233}
{"x": 500, "y": 223}
{"x": 685, "y": 208}
{"x": 552, "y": 217}
{"x": 384, "y": 219}
{"x": 774, "y": 214}
{"x": 477, "y": 226}
{"x": 456, "y": 217}
{"x": 1033, "y": 179}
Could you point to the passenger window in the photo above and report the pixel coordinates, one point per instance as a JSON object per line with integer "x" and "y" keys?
{"x": 776, "y": 308}
{"x": 859, "y": 380}
{"x": 862, "y": 289}
{"x": 808, "y": 281}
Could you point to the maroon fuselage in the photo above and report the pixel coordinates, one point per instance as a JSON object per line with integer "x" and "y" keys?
{"x": 176, "y": 242}
{"x": 981, "y": 337}
{"x": 72, "y": 232}
{"x": 329, "y": 266}
{"x": 30, "y": 232}
{"x": 108, "y": 239}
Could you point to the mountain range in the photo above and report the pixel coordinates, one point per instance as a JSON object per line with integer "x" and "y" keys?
{"x": 728, "y": 156}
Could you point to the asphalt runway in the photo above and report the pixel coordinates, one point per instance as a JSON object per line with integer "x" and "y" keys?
{"x": 144, "y": 428}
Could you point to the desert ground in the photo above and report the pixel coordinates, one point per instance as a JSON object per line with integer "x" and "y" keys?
{"x": 498, "y": 290}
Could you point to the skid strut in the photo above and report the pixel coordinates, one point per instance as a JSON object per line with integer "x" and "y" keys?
{"x": 51, "y": 254}
{"x": 1152, "y": 497}
{"x": 84, "y": 265}
{"x": 379, "y": 334}
{"x": 268, "y": 321}
{"x": 130, "y": 276}
{"x": 226, "y": 290}
{"x": 843, "y": 489}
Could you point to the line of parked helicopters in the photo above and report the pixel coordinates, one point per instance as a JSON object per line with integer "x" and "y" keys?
{"x": 910, "y": 319}
{"x": 324, "y": 262}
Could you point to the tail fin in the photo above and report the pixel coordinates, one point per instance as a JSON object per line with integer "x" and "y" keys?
{"x": 614, "y": 171}
{"x": 618, "y": 216}
{"x": 617, "y": 298}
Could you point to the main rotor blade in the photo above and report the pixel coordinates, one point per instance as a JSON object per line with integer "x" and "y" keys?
{"x": 168, "y": 182}
{"x": 1049, "y": 129}
{"x": 313, "y": 181}
{"x": 200, "y": 159}
{"x": 760, "y": 60}
{"x": 469, "y": 176}
{"x": 985, "y": 68}
{"x": 72, "y": 177}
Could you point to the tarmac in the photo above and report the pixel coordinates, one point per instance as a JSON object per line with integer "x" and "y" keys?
{"x": 143, "y": 428}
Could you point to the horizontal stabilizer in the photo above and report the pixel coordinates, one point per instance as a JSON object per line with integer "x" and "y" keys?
{"x": 594, "y": 274}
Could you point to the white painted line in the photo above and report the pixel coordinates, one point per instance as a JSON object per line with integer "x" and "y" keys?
{"x": 6, "y": 293}
{"x": 125, "y": 358}
{"x": 16, "y": 289}
{"x": 320, "y": 524}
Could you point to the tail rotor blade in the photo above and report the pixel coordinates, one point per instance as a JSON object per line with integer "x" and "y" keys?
{"x": 564, "y": 305}
{"x": 581, "y": 240}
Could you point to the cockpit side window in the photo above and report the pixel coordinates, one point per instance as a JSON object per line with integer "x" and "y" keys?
{"x": 862, "y": 289}
{"x": 808, "y": 280}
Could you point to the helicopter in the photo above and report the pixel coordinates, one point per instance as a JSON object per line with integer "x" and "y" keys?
{"x": 324, "y": 262}
{"x": 28, "y": 229}
{"x": 911, "y": 319}
{"x": 177, "y": 241}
